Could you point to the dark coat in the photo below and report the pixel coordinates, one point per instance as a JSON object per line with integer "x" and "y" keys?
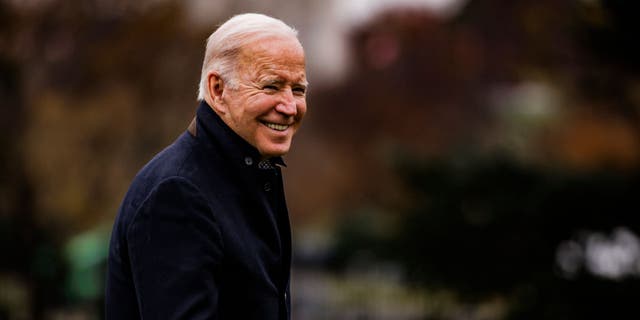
{"x": 202, "y": 233}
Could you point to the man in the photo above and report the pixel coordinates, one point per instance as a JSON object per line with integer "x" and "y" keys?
{"x": 203, "y": 232}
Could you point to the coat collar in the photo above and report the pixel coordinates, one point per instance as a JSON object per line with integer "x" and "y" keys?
{"x": 209, "y": 128}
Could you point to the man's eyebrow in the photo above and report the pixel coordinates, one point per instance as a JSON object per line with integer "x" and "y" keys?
{"x": 272, "y": 80}
{"x": 279, "y": 80}
{"x": 300, "y": 84}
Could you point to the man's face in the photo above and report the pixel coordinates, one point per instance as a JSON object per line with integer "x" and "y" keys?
{"x": 268, "y": 100}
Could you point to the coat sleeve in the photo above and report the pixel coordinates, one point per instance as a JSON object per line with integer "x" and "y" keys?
{"x": 175, "y": 248}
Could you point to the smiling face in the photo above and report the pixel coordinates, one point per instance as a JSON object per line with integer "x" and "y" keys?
{"x": 266, "y": 101}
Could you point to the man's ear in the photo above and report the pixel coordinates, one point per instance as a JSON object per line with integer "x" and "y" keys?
{"x": 215, "y": 87}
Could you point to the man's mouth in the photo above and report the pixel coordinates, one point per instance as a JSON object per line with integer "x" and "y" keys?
{"x": 275, "y": 126}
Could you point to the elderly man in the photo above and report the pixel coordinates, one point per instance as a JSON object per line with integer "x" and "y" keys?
{"x": 203, "y": 232}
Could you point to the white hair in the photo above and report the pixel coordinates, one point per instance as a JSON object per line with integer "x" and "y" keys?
{"x": 224, "y": 45}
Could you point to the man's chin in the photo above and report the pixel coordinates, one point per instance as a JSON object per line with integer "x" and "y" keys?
{"x": 274, "y": 150}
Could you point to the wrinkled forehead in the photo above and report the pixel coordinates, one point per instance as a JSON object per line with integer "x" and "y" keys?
{"x": 274, "y": 55}
{"x": 274, "y": 47}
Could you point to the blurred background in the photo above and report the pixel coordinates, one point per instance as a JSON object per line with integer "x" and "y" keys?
{"x": 461, "y": 159}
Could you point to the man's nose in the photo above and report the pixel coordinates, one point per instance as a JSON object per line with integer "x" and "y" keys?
{"x": 287, "y": 104}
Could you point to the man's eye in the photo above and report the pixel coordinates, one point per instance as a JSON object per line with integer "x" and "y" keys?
{"x": 270, "y": 88}
{"x": 300, "y": 91}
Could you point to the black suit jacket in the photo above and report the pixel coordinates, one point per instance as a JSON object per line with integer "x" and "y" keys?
{"x": 202, "y": 233}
